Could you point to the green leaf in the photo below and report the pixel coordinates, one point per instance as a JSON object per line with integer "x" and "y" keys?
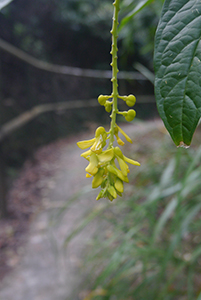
{"x": 137, "y": 9}
{"x": 164, "y": 218}
{"x": 177, "y": 63}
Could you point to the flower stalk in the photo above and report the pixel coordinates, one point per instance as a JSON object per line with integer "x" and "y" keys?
{"x": 102, "y": 163}
{"x": 114, "y": 33}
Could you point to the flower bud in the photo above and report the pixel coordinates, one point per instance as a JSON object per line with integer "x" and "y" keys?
{"x": 130, "y": 115}
{"x": 100, "y": 195}
{"x": 100, "y": 131}
{"x": 130, "y": 101}
{"x": 102, "y": 99}
{"x": 112, "y": 192}
{"x": 108, "y": 106}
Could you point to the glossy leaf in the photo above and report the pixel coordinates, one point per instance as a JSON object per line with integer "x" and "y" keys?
{"x": 177, "y": 63}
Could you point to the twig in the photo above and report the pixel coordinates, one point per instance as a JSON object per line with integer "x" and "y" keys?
{"x": 27, "y": 116}
{"x": 65, "y": 70}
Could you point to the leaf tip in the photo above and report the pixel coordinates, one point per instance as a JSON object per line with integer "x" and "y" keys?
{"x": 183, "y": 145}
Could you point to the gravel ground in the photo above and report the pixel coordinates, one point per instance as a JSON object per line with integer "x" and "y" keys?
{"x": 45, "y": 271}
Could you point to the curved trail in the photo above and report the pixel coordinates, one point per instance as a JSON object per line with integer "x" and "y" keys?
{"x": 45, "y": 272}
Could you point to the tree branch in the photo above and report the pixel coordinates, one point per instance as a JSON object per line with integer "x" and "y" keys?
{"x": 27, "y": 116}
{"x": 65, "y": 70}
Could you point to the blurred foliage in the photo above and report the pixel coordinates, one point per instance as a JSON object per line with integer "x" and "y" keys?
{"x": 59, "y": 31}
{"x": 95, "y": 15}
{"x": 46, "y": 28}
{"x": 137, "y": 32}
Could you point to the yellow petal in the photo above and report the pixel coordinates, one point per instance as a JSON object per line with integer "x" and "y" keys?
{"x": 92, "y": 166}
{"x": 98, "y": 179}
{"x": 85, "y": 144}
{"x": 101, "y": 131}
{"x": 91, "y": 169}
{"x": 88, "y": 175}
{"x": 118, "y": 152}
{"x": 106, "y": 155}
{"x": 124, "y": 134}
{"x": 119, "y": 141}
{"x": 119, "y": 185}
{"x": 131, "y": 161}
{"x": 86, "y": 154}
{"x": 123, "y": 166}
{"x": 98, "y": 144}
{"x": 100, "y": 140}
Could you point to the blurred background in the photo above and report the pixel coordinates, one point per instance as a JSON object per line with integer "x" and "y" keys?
{"x": 54, "y": 63}
{"x": 67, "y": 33}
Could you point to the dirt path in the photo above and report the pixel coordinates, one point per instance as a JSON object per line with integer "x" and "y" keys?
{"x": 45, "y": 271}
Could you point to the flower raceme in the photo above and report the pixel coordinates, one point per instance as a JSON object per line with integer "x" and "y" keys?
{"x": 103, "y": 163}
{"x": 109, "y": 167}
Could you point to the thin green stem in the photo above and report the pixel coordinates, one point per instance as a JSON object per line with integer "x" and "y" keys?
{"x": 114, "y": 70}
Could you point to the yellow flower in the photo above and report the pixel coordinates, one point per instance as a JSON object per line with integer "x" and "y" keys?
{"x": 97, "y": 143}
{"x": 116, "y": 133}
{"x": 124, "y": 134}
{"x": 122, "y": 161}
{"x": 120, "y": 158}
{"x": 119, "y": 141}
{"x": 123, "y": 166}
{"x": 102, "y": 163}
{"x": 100, "y": 140}
{"x": 119, "y": 155}
{"x": 114, "y": 170}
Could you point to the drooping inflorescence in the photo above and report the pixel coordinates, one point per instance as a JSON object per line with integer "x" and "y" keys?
{"x": 108, "y": 167}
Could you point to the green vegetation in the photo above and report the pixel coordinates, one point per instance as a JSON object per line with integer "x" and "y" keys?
{"x": 148, "y": 246}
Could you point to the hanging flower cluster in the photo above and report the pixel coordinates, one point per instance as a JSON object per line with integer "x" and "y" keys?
{"x": 109, "y": 167}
